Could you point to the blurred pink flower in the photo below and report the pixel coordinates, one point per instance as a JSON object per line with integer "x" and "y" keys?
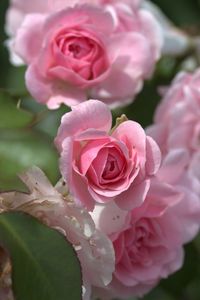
{"x": 99, "y": 165}
{"x": 177, "y": 118}
{"x": 176, "y": 129}
{"x": 148, "y": 241}
{"x": 55, "y": 208}
{"x": 105, "y": 50}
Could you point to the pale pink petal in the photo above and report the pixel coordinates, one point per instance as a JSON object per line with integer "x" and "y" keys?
{"x": 153, "y": 156}
{"x": 91, "y": 134}
{"x": 88, "y": 115}
{"x": 123, "y": 44}
{"x": 77, "y": 15}
{"x": 38, "y": 86}
{"x": 162, "y": 196}
{"x": 116, "y": 90}
{"x": 134, "y": 196}
{"x": 130, "y": 54}
{"x": 173, "y": 165}
{"x": 158, "y": 132}
{"x": 109, "y": 218}
{"x": 65, "y": 94}
{"x": 90, "y": 152}
{"x": 135, "y": 135}
{"x": 79, "y": 189}
{"x": 152, "y": 31}
{"x": 52, "y": 93}
{"x": 28, "y": 40}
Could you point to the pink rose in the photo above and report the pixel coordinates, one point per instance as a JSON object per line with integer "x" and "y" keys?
{"x": 177, "y": 118}
{"x": 105, "y": 51}
{"x": 54, "y": 207}
{"x": 182, "y": 171}
{"x": 100, "y": 165}
{"x": 176, "y": 130}
{"x": 148, "y": 243}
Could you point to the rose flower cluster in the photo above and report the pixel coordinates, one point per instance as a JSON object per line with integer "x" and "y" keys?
{"x": 128, "y": 199}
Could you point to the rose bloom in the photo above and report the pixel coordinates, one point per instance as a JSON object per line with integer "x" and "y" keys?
{"x": 177, "y": 118}
{"x": 176, "y": 129}
{"x": 104, "y": 50}
{"x": 100, "y": 164}
{"x": 55, "y": 208}
{"x": 148, "y": 241}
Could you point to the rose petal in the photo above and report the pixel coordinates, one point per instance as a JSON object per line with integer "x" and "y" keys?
{"x": 135, "y": 134}
{"x": 153, "y": 156}
{"x": 134, "y": 196}
{"x": 28, "y": 39}
{"x": 88, "y": 115}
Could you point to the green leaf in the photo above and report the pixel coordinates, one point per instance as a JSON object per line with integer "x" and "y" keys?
{"x": 158, "y": 294}
{"x": 10, "y": 115}
{"x": 177, "y": 283}
{"x": 44, "y": 263}
{"x": 52, "y": 120}
{"x": 193, "y": 290}
{"x": 19, "y": 150}
{"x": 182, "y": 12}
{"x": 16, "y": 80}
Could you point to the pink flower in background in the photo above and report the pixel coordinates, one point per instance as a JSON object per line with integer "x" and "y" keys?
{"x": 104, "y": 50}
{"x": 183, "y": 173}
{"x": 99, "y": 165}
{"x": 177, "y": 130}
{"x": 55, "y": 208}
{"x": 177, "y": 118}
{"x": 148, "y": 242}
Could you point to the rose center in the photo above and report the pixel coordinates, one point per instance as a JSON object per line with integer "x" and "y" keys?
{"x": 75, "y": 49}
{"x": 110, "y": 166}
{"x": 79, "y": 48}
{"x": 80, "y": 52}
{"x": 137, "y": 243}
{"x": 111, "y": 169}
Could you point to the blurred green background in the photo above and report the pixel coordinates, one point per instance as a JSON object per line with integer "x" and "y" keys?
{"x": 27, "y": 130}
